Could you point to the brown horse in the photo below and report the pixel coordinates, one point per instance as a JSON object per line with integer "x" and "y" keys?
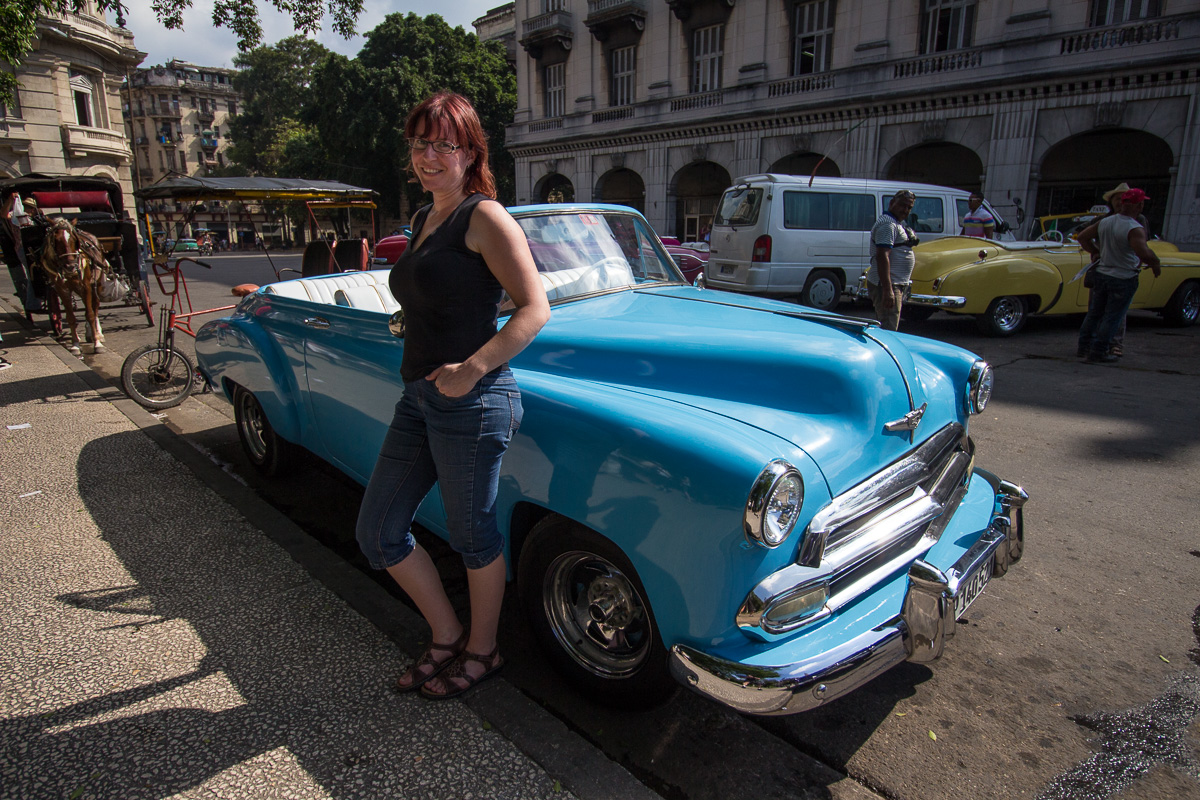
{"x": 75, "y": 263}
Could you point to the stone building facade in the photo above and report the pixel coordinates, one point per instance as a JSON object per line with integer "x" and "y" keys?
{"x": 661, "y": 104}
{"x": 67, "y": 116}
{"x": 177, "y": 117}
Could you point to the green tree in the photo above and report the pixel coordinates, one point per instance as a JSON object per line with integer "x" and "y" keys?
{"x": 274, "y": 82}
{"x": 364, "y": 101}
{"x": 18, "y": 22}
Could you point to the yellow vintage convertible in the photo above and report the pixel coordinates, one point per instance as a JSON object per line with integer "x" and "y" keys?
{"x": 1003, "y": 283}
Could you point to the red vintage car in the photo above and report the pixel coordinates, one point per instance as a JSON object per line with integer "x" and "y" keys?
{"x": 690, "y": 261}
{"x": 388, "y": 250}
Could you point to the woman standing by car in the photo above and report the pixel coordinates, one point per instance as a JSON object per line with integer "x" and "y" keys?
{"x": 460, "y": 406}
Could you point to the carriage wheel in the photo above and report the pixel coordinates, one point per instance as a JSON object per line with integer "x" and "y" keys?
{"x": 157, "y": 377}
{"x": 143, "y": 293}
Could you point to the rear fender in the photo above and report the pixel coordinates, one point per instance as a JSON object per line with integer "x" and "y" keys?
{"x": 981, "y": 282}
{"x": 236, "y": 351}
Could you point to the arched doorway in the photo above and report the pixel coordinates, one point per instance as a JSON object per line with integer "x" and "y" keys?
{"x": 698, "y": 187}
{"x": 623, "y": 187}
{"x": 1076, "y": 172}
{"x": 939, "y": 163}
{"x": 555, "y": 188}
{"x": 804, "y": 163}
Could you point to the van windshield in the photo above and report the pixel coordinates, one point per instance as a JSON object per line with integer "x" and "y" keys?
{"x": 739, "y": 206}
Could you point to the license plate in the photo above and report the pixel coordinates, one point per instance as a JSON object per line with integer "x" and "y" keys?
{"x": 970, "y": 587}
{"x": 728, "y": 269}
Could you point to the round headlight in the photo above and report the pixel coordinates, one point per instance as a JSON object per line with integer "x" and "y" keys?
{"x": 773, "y": 506}
{"x": 979, "y": 387}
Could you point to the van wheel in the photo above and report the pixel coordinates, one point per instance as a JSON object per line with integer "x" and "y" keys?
{"x": 1004, "y": 316}
{"x": 823, "y": 290}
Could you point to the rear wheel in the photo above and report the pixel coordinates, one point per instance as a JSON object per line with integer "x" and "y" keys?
{"x": 143, "y": 298}
{"x": 1004, "y": 316}
{"x": 822, "y": 290}
{"x": 1183, "y": 308}
{"x": 270, "y": 454}
{"x": 589, "y": 611}
{"x": 157, "y": 377}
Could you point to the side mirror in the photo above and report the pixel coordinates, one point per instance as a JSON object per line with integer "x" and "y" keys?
{"x": 396, "y": 324}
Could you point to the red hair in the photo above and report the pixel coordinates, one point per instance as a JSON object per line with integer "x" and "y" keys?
{"x": 452, "y": 116}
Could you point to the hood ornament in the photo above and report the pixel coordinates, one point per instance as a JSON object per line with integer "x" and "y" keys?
{"x": 909, "y": 421}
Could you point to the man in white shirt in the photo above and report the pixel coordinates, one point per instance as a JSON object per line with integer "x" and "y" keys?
{"x": 892, "y": 259}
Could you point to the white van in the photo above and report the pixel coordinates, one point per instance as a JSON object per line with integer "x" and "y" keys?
{"x": 792, "y": 236}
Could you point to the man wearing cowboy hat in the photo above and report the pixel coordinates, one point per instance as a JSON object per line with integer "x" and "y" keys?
{"x": 1119, "y": 241}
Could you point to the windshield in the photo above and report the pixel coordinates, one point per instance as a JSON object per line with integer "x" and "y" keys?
{"x": 739, "y": 206}
{"x": 586, "y": 252}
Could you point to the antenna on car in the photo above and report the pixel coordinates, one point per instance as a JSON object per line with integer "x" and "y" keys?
{"x": 832, "y": 146}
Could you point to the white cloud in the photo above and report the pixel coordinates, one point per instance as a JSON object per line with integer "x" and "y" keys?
{"x": 201, "y": 43}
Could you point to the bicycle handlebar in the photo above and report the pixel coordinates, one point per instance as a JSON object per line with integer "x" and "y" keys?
{"x": 204, "y": 264}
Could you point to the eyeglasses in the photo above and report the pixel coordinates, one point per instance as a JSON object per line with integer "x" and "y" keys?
{"x": 421, "y": 145}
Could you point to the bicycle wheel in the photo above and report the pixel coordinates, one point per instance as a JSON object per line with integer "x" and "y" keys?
{"x": 157, "y": 377}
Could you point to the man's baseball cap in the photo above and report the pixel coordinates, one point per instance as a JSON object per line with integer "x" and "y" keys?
{"x": 1134, "y": 196}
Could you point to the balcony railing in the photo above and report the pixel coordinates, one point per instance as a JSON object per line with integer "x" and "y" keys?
{"x": 800, "y": 84}
{"x": 208, "y": 144}
{"x": 604, "y": 15}
{"x": 552, "y": 28}
{"x": 612, "y": 114}
{"x": 939, "y": 63}
{"x": 1120, "y": 36}
{"x": 546, "y": 125}
{"x": 205, "y": 117}
{"x": 694, "y": 101}
{"x": 81, "y": 141}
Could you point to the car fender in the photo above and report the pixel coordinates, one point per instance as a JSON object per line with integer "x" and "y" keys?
{"x": 983, "y": 281}
{"x": 237, "y": 351}
{"x": 672, "y": 500}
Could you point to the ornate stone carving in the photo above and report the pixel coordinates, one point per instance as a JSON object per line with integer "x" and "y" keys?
{"x": 1110, "y": 114}
{"x": 933, "y": 130}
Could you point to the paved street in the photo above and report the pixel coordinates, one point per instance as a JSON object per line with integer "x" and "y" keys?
{"x": 1077, "y": 675}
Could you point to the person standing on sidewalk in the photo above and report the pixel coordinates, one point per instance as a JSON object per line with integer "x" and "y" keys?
{"x": 460, "y": 406}
{"x": 892, "y": 259}
{"x": 1119, "y": 242}
{"x": 978, "y": 221}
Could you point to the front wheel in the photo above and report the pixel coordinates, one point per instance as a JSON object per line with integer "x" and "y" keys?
{"x": 1183, "y": 308}
{"x": 270, "y": 454}
{"x": 822, "y": 290}
{"x": 1004, "y": 316}
{"x": 157, "y": 377}
{"x": 589, "y": 611}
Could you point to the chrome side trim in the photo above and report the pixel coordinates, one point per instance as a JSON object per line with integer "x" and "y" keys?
{"x": 936, "y": 300}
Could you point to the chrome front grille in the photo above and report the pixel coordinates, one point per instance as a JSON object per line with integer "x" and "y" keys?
{"x": 892, "y": 504}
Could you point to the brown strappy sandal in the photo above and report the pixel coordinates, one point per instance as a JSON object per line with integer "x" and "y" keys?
{"x": 454, "y": 650}
{"x": 492, "y": 662}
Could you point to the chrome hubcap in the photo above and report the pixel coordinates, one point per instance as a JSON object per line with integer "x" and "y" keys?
{"x": 1009, "y": 313}
{"x": 596, "y": 614}
{"x": 252, "y": 426}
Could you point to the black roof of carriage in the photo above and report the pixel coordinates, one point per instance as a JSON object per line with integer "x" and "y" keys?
{"x": 50, "y": 182}
{"x": 189, "y": 188}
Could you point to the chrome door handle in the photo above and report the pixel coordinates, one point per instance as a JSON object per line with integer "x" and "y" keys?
{"x": 317, "y": 322}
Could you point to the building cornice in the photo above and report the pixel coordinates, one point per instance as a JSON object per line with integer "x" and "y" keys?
{"x": 114, "y": 44}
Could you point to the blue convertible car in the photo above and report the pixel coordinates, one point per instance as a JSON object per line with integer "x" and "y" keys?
{"x": 767, "y": 503}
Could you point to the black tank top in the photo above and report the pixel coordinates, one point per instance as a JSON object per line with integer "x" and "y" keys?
{"x": 450, "y": 298}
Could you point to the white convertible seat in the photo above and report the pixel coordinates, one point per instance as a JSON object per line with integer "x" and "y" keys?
{"x": 564, "y": 283}
{"x": 321, "y": 289}
{"x": 376, "y": 297}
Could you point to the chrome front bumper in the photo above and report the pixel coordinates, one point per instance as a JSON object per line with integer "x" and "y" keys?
{"x": 936, "y": 301}
{"x": 919, "y": 633}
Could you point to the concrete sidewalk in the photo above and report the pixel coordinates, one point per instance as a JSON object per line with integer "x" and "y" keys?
{"x": 165, "y": 633}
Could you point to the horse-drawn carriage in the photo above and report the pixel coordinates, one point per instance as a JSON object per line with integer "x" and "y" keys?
{"x": 98, "y": 246}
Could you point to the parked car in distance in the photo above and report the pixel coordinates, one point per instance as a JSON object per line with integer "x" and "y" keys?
{"x": 185, "y": 246}
{"x": 769, "y": 504}
{"x": 389, "y": 249}
{"x": 1003, "y": 283}
{"x": 690, "y": 259}
{"x": 794, "y": 237}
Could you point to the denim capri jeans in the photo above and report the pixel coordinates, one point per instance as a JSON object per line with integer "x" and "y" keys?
{"x": 456, "y": 442}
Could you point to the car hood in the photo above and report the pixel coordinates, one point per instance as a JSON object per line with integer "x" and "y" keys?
{"x": 827, "y": 387}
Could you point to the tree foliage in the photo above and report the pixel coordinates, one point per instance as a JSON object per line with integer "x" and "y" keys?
{"x": 18, "y": 21}
{"x": 364, "y": 101}
{"x": 316, "y": 114}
